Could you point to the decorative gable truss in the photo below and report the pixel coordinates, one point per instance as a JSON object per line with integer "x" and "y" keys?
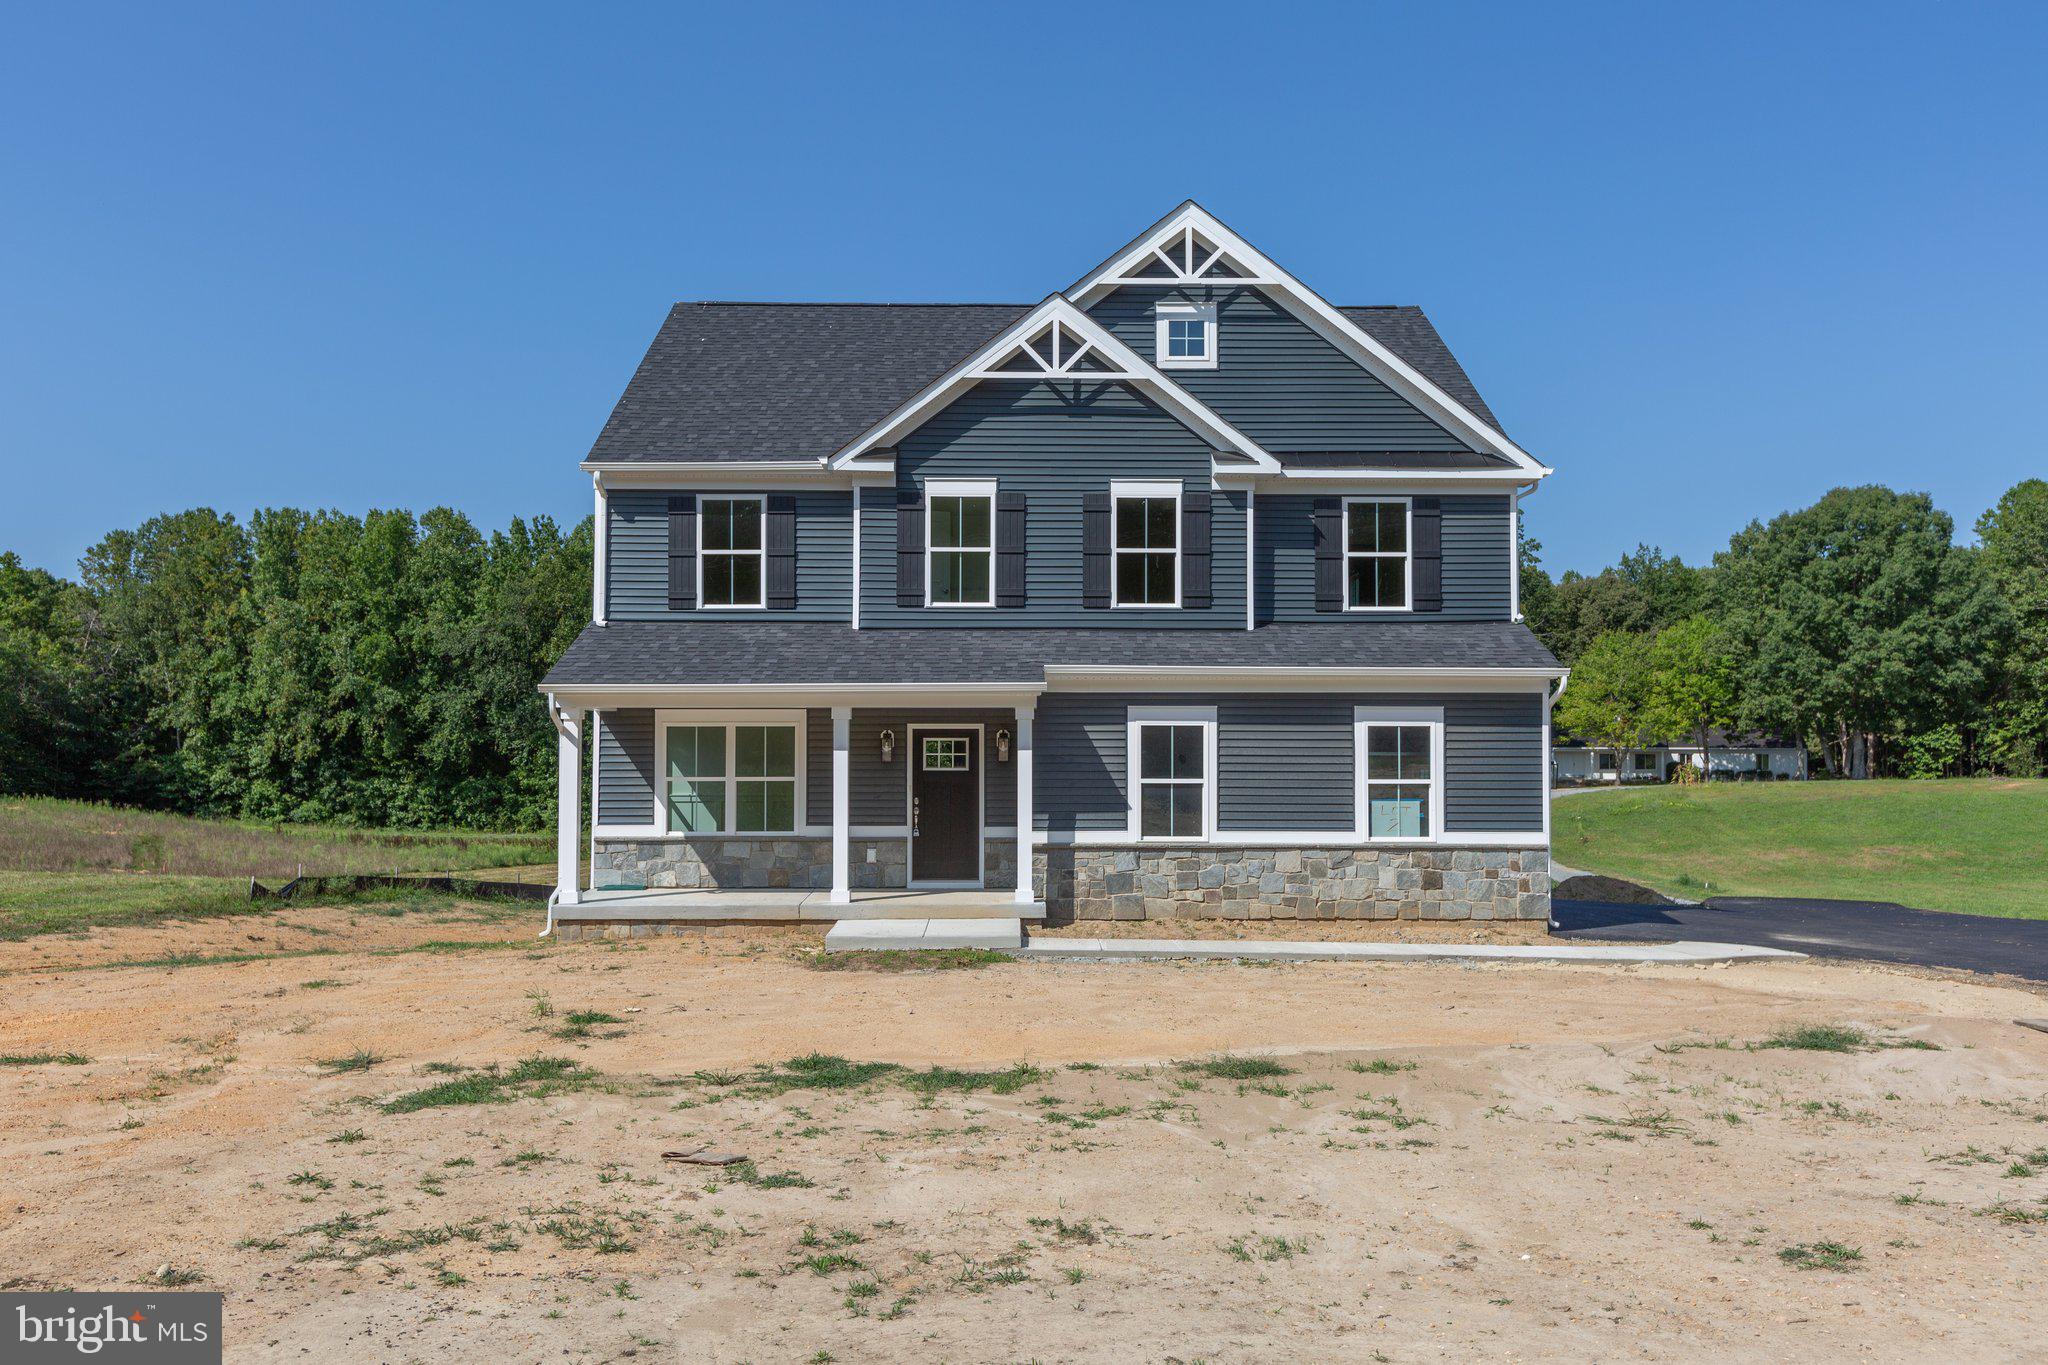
{"x": 1054, "y": 342}
{"x": 1190, "y": 246}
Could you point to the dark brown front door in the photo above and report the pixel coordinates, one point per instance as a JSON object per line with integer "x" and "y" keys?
{"x": 945, "y": 806}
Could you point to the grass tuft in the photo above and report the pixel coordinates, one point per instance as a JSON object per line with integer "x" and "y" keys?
{"x": 907, "y": 960}
{"x": 1238, "y": 1068}
{"x": 362, "y": 1059}
{"x": 534, "y": 1078}
{"x": 1821, "y": 1256}
{"x": 43, "y": 1058}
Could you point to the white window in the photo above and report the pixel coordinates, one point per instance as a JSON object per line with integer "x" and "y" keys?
{"x": 1400, "y": 756}
{"x": 730, "y": 558}
{"x": 1376, "y": 544}
{"x": 960, "y": 544}
{"x": 1172, "y": 772}
{"x": 1185, "y": 336}
{"x": 1146, "y": 531}
{"x": 730, "y": 775}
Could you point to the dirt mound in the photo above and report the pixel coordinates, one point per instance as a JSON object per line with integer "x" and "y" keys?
{"x": 1589, "y": 886}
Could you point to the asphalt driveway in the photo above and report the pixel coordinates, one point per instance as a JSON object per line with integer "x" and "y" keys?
{"x": 1871, "y": 930}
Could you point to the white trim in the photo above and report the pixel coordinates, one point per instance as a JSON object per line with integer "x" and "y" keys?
{"x": 1127, "y": 677}
{"x": 1127, "y": 367}
{"x": 655, "y": 834}
{"x": 570, "y": 731}
{"x": 601, "y": 566}
{"x": 1366, "y": 717}
{"x": 1170, "y": 311}
{"x": 1307, "y": 838}
{"x": 1120, "y": 489}
{"x": 960, "y": 488}
{"x": 842, "y": 806}
{"x": 1407, "y": 553}
{"x": 1136, "y": 718}
{"x": 1515, "y": 554}
{"x": 1251, "y": 574}
{"x": 759, "y": 499}
{"x": 1023, "y": 759}
{"x": 683, "y": 471}
{"x": 910, "y": 769}
{"x": 667, "y": 717}
{"x": 1191, "y": 218}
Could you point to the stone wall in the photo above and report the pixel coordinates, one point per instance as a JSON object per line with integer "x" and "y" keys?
{"x": 1095, "y": 882}
{"x": 716, "y": 864}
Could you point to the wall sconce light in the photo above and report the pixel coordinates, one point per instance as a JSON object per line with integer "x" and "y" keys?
{"x": 888, "y": 746}
{"x": 1002, "y": 746}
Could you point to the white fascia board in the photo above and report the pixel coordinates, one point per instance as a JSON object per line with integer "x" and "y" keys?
{"x": 1120, "y": 678}
{"x": 1332, "y": 480}
{"x": 1314, "y": 310}
{"x": 1133, "y": 369}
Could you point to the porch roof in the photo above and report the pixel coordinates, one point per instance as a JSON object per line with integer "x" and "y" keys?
{"x": 769, "y": 653}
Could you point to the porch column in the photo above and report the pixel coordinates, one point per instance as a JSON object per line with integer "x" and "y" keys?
{"x": 842, "y": 817}
{"x": 568, "y": 803}
{"x": 1025, "y": 816}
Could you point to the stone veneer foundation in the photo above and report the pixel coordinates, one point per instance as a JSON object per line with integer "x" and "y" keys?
{"x": 1134, "y": 883}
{"x": 1103, "y": 882}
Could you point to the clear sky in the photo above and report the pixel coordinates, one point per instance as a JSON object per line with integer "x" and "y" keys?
{"x": 1707, "y": 261}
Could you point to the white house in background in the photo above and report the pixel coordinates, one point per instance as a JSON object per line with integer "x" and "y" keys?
{"x": 1728, "y": 756}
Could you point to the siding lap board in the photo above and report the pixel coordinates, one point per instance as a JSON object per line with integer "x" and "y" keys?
{"x": 1276, "y": 379}
{"x": 625, "y": 767}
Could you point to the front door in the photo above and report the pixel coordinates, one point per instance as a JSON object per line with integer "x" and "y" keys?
{"x": 945, "y": 806}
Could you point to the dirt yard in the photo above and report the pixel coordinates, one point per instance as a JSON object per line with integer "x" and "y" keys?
{"x": 1438, "y": 1162}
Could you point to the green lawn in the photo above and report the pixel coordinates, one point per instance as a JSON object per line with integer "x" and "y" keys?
{"x": 67, "y": 865}
{"x": 1975, "y": 846}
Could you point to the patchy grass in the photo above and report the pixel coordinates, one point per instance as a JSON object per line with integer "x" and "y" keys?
{"x": 1839, "y": 1038}
{"x": 1379, "y": 1066}
{"x": 46, "y": 834}
{"x": 43, "y": 1058}
{"x": 1821, "y": 1256}
{"x": 33, "y": 903}
{"x": 362, "y": 1059}
{"x": 907, "y": 960}
{"x": 1968, "y": 845}
{"x": 1007, "y": 1081}
{"x": 1238, "y": 1068}
{"x": 534, "y": 1078}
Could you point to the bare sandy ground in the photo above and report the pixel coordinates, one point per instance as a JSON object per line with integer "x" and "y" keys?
{"x": 1500, "y": 1161}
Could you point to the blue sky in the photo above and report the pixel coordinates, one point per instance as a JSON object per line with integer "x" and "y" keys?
{"x": 1706, "y": 261}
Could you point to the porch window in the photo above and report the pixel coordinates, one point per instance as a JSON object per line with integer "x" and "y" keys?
{"x": 960, "y": 535}
{"x": 1173, "y": 771}
{"x": 1400, "y": 759}
{"x": 1376, "y": 554}
{"x": 731, "y": 779}
{"x": 1147, "y": 544}
{"x": 729, "y": 552}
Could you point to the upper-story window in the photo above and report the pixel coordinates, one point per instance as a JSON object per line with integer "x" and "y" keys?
{"x": 1147, "y": 545}
{"x": 1376, "y": 544}
{"x": 960, "y": 536}
{"x": 1186, "y": 336}
{"x": 730, "y": 551}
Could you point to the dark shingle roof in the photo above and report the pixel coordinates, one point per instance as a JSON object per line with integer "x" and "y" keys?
{"x": 740, "y": 653}
{"x": 797, "y": 381}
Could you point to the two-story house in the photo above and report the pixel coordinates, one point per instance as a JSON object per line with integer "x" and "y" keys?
{"x": 1181, "y": 592}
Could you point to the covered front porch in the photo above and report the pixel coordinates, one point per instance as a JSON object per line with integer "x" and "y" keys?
{"x": 794, "y": 805}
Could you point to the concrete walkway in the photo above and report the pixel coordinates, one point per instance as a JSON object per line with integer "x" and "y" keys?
{"x": 1281, "y": 950}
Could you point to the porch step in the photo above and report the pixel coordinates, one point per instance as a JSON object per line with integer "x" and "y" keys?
{"x": 856, "y": 935}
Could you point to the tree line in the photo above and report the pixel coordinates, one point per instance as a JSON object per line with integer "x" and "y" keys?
{"x": 1855, "y": 625}
{"x": 374, "y": 670}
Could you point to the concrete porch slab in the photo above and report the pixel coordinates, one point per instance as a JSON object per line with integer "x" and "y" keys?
{"x": 657, "y": 905}
{"x": 870, "y": 935}
{"x": 1277, "y": 950}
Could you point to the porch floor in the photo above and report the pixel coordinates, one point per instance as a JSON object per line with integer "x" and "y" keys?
{"x": 796, "y": 906}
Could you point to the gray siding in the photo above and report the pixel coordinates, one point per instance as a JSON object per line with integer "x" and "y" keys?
{"x": 1053, "y": 450}
{"x": 1276, "y": 380}
{"x": 636, "y": 588}
{"x": 1285, "y": 760}
{"x": 625, "y": 767}
{"x": 1477, "y": 569}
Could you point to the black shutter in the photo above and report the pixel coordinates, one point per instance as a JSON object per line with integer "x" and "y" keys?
{"x": 909, "y": 547}
{"x": 781, "y": 545}
{"x": 1426, "y": 531}
{"x": 1095, "y": 555}
{"x": 1329, "y": 515}
{"x": 682, "y": 551}
{"x": 1009, "y": 548}
{"x": 1194, "y": 550}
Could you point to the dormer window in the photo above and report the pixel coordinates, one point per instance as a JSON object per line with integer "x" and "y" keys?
{"x": 1186, "y": 336}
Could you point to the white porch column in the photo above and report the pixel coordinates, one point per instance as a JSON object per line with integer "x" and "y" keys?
{"x": 1025, "y": 816}
{"x": 842, "y": 816}
{"x": 569, "y": 803}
